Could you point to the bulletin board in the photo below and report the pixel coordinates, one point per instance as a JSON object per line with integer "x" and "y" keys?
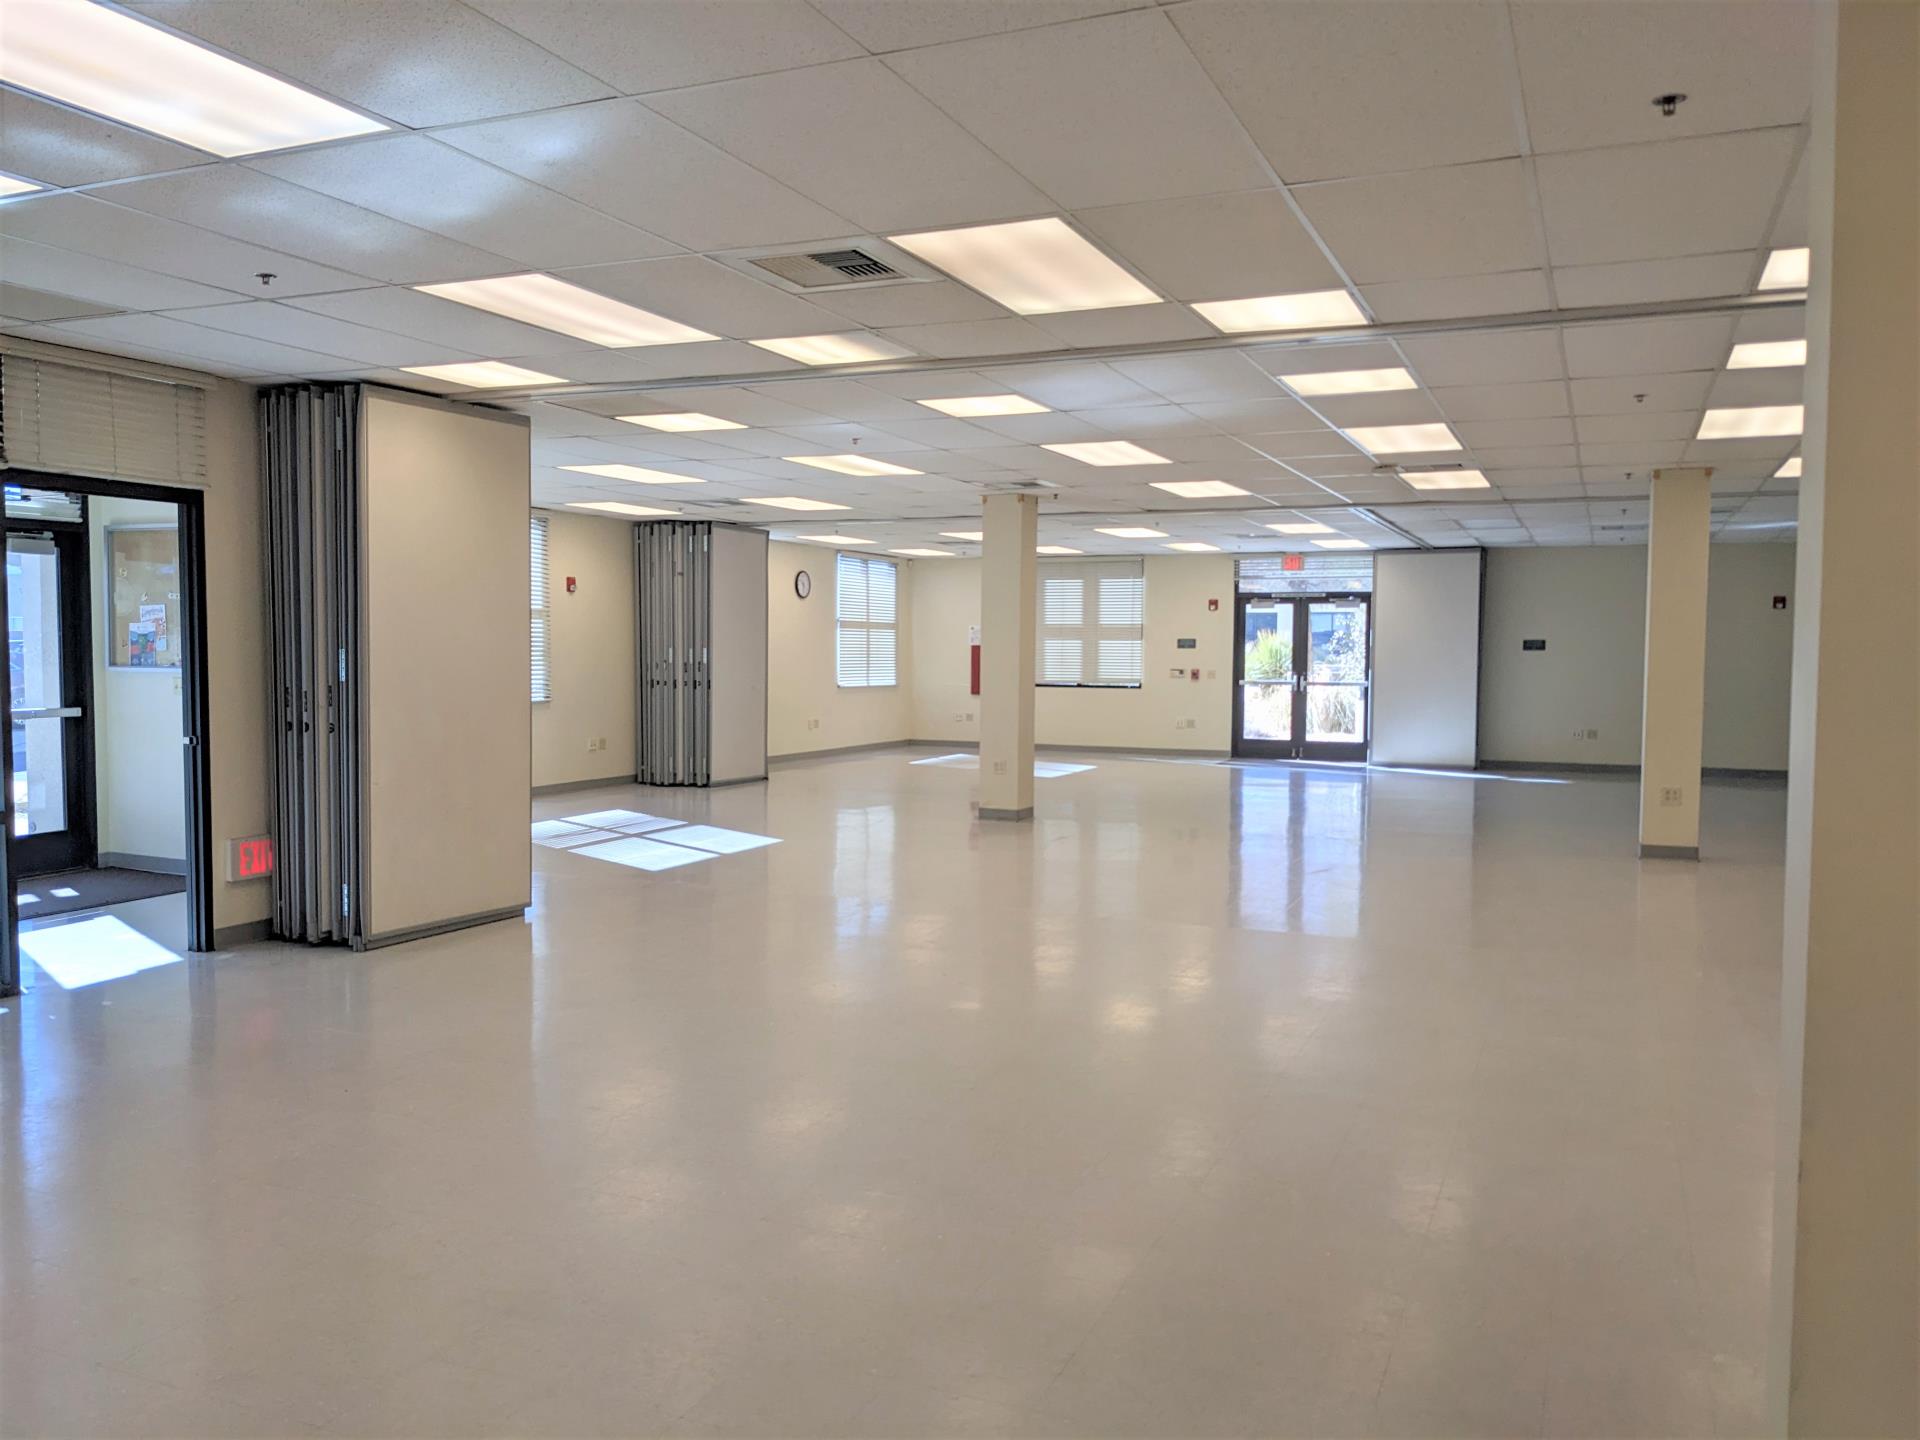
{"x": 143, "y": 597}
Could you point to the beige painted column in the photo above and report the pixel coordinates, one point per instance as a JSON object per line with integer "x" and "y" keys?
{"x": 1673, "y": 703}
{"x": 1007, "y": 591}
{"x": 1846, "y": 1335}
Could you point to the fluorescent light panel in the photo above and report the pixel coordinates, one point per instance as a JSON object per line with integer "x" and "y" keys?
{"x": 108, "y": 62}
{"x": 1752, "y": 422}
{"x": 923, "y": 554}
{"x": 852, "y": 464}
{"x": 1398, "y": 439}
{"x": 617, "y": 507}
{"x": 1787, "y": 269}
{"x": 1309, "y": 310}
{"x": 1791, "y": 469}
{"x": 1194, "y": 547}
{"x": 1198, "y": 489}
{"x": 1342, "y": 543}
{"x": 1767, "y": 354}
{"x": 638, "y": 474}
{"x": 855, "y": 349}
{"x": 1033, "y": 267}
{"x": 1351, "y": 382}
{"x": 11, "y": 185}
{"x": 972, "y": 407}
{"x": 794, "y": 502}
{"x": 834, "y": 539}
{"x": 1131, "y": 532}
{"x": 1300, "y": 527}
{"x": 974, "y": 535}
{"x": 682, "y": 422}
{"x": 1056, "y": 550}
{"x": 1445, "y": 479}
{"x": 1108, "y": 452}
{"x": 569, "y": 309}
{"x": 483, "y": 374}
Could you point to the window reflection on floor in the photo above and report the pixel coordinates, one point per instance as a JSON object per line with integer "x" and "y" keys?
{"x": 643, "y": 842}
{"x": 1042, "y": 769}
{"x": 85, "y": 952}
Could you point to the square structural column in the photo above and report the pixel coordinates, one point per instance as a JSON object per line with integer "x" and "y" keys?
{"x": 1845, "y": 1352}
{"x": 1674, "y": 708}
{"x": 1008, "y": 590}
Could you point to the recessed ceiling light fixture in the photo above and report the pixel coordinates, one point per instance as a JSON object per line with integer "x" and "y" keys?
{"x": 794, "y": 502}
{"x": 1108, "y": 452}
{"x": 852, "y": 464}
{"x": 972, "y": 407}
{"x": 1198, "y": 489}
{"x": 639, "y": 474}
{"x": 11, "y": 185}
{"x": 109, "y": 62}
{"x": 568, "y": 309}
{"x": 974, "y": 535}
{"x": 1399, "y": 439}
{"x": 1056, "y": 550}
{"x": 684, "y": 422}
{"x": 1351, "y": 382}
{"x": 1131, "y": 532}
{"x": 1767, "y": 354}
{"x": 1787, "y": 269}
{"x": 1033, "y": 267}
{"x": 1342, "y": 543}
{"x": 1192, "y": 547}
{"x": 1445, "y": 479}
{"x": 1791, "y": 468}
{"x": 1309, "y": 310}
{"x": 617, "y": 507}
{"x": 853, "y": 349}
{"x": 1752, "y": 422}
{"x": 924, "y": 554}
{"x": 483, "y": 374}
{"x": 1300, "y": 527}
{"x": 834, "y": 539}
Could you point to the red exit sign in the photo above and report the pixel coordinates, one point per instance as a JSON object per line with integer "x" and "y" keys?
{"x": 251, "y": 858}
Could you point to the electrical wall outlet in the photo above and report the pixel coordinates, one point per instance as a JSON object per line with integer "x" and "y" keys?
{"x": 1593, "y": 734}
{"x": 813, "y": 724}
{"x": 1669, "y": 795}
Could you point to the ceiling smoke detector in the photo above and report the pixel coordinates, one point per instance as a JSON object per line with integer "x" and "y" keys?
{"x": 1669, "y": 102}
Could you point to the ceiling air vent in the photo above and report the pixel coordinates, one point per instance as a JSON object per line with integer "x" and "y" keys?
{"x": 818, "y": 269}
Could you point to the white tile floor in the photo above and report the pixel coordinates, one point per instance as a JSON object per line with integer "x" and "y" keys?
{"x": 1215, "y": 1102}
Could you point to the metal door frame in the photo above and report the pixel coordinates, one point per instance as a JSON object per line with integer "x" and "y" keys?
{"x": 1298, "y": 747}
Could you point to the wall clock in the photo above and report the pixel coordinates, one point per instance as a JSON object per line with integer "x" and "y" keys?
{"x": 803, "y": 584}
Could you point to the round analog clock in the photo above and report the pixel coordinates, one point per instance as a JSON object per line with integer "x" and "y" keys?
{"x": 803, "y": 584}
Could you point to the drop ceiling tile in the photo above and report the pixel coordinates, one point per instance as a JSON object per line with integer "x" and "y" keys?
{"x": 1787, "y": 323}
{"x": 707, "y": 295}
{"x": 1394, "y": 407}
{"x": 1701, "y": 196}
{"x": 259, "y": 209}
{"x": 1522, "y": 457}
{"x": 1318, "y": 358}
{"x": 133, "y": 237}
{"x": 621, "y": 158}
{"x": 1759, "y": 387}
{"x": 1201, "y": 377}
{"x": 98, "y": 281}
{"x": 1456, "y": 297}
{"x": 1790, "y": 226}
{"x": 1126, "y": 325}
{"x": 1104, "y": 111}
{"x": 418, "y": 62}
{"x": 1536, "y": 477}
{"x": 1485, "y": 358}
{"x": 1071, "y": 385}
{"x": 415, "y": 179}
{"x": 635, "y": 48}
{"x": 1150, "y": 425}
{"x": 1201, "y": 447}
{"x": 939, "y": 433}
{"x": 58, "y": 146}
{"x": 1617, "y": 395}
{"x": 973, "y": 337}
{"x": 1278, "y": 415}
{"x": 1482, "y": 436}
{"x": 1638, "y": 282}
{"x": 1427, "y": 224}
{"x": 1295, "y": 446}
{"x": 926, "y": 302}
{"x": 1502, "y": 402}
{"x": 304, "y": 330}
{"x": 1635, "y": 426}
{"x": 20, "y": 305}
{"x": 1588, "y": 68}
{"x": 895, "y": 161}
{"x": 1629, "y": 347}
{"x": 428, "y": 317}
{"x": 160, "y": 332}
{"x": 668, "y": 362}
{"x": 845, "y": 399}
{"x": 1214, "y": 247}
{"x": 1327, "y": 88}
{"x": 1056, "y": 428}
{"x": 1631, "y": 454}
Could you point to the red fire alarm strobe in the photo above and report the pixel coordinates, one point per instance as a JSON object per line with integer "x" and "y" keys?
{"x": 570, "y": 584}
{"x": 1213, "y": 604}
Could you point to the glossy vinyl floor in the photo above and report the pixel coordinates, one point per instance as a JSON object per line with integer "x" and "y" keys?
{"x": 1217, "y": 1101}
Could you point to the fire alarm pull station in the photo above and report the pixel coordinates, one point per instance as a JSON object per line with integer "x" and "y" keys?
{"x": 1213, "y": 604}
{"x": 570, "y": 584}
{"x": 1193, "y": 674}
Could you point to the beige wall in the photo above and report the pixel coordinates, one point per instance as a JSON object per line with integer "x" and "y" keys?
{"x": 1589, "y": 605}
{"x": 806, "y": 710}
{"x": 946, "y": 603}
{"x": 590, "y": 654}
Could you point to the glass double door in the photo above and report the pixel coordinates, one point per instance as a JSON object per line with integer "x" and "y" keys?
{"x": 50, "y": 674}
{"x": 1302, "y": 677}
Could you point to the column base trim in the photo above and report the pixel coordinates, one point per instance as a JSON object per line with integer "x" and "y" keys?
{"x": 988, "y": 813}
{"x": 1669, "y": 852}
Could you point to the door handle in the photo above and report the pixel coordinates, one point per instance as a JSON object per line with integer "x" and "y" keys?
{"x": 61, "y": 712}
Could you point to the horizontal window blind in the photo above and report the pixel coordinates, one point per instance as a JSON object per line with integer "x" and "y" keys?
{"x": 77, "y": 421}
{"x": 866, "y": 620}
{"x": 1091, "y": 618}
{"x": 1316, "y": 575}
{"x": 542, "y": 608}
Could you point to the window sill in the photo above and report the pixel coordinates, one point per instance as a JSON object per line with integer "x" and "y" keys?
{"x": 1058, "y": 685}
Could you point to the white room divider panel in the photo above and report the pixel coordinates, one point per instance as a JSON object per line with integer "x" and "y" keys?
{"x": 1426, "y": 657}
{"x": 737, "y": 671}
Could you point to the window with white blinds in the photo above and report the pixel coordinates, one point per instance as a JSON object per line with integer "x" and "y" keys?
{"x": 866, "y": 612}
{"x": 542, "y": 608}
{"x": 77, "y": 421}
{"x": 1091, "y": 614}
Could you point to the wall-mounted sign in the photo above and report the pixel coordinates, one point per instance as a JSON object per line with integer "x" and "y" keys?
{"x": 1533, "y": 644}
{"x": 250, "y": 859}
{"x": 1186, "y": 644}
{"x": 1292, "y": 561}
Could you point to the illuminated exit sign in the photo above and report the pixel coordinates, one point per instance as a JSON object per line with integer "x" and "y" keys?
{"x": 251, "y": 858}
